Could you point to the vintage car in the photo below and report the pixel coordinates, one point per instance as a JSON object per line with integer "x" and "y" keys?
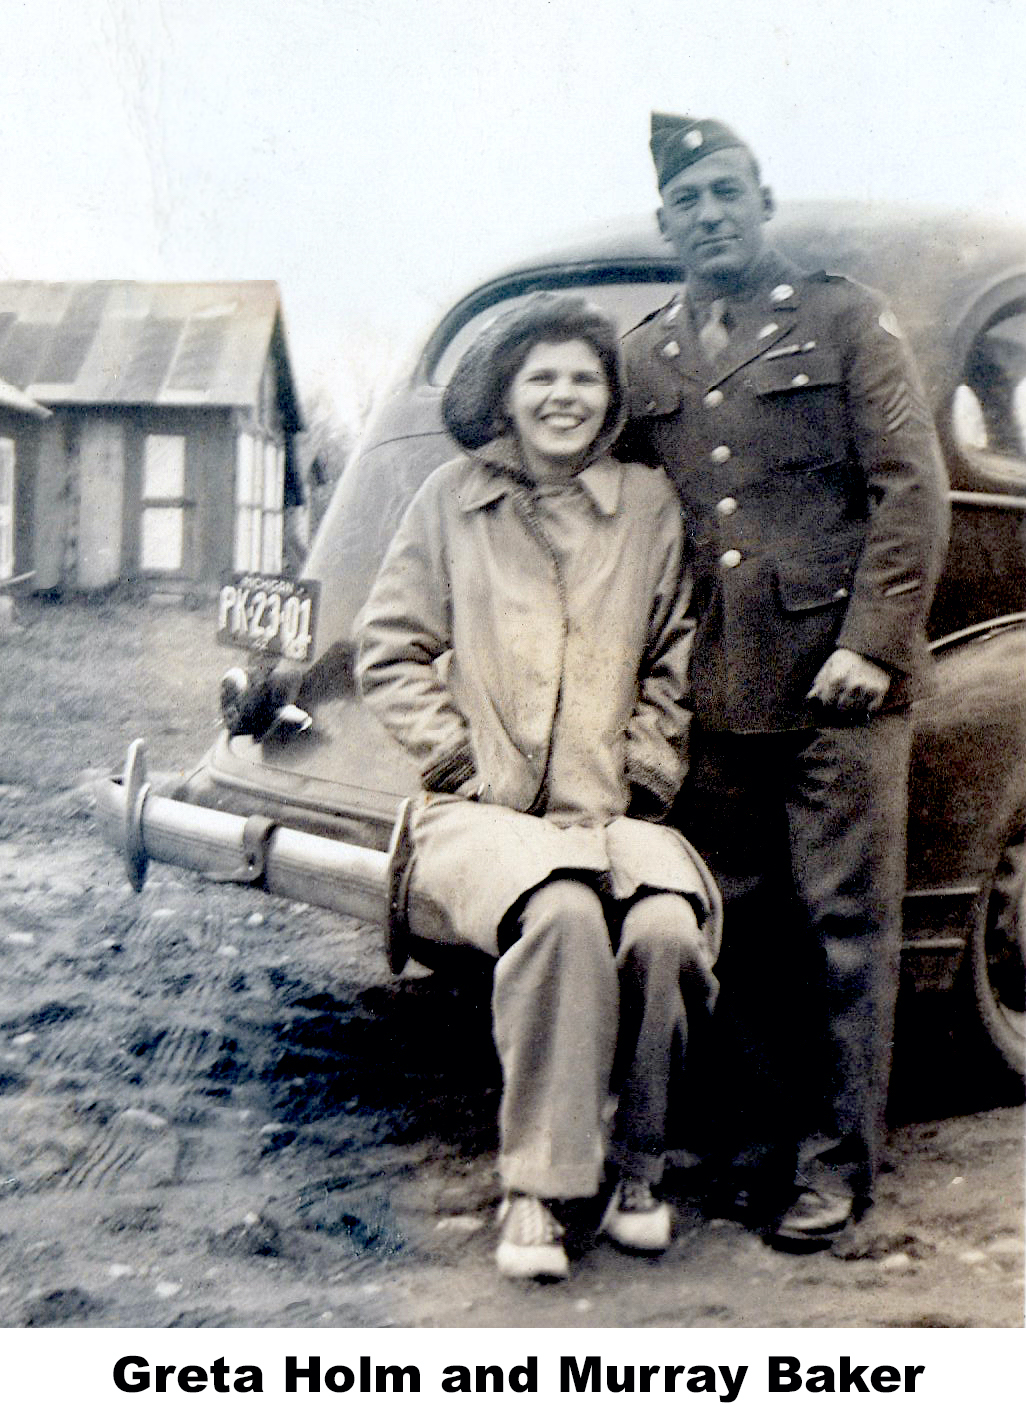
{"x": 308, "y": 803}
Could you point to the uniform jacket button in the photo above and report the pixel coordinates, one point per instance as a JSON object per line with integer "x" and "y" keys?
{"x": 719, "y": 454}
{"x": 730, "y": 559}
{"x": 712, "y": 399}
{"x": 726, "y": 506}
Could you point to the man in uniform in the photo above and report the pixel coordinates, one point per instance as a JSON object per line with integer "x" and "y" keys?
{"x": 786, "y": 409}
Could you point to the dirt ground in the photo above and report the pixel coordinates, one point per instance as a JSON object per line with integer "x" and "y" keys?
{"x": 218, "y": 1109}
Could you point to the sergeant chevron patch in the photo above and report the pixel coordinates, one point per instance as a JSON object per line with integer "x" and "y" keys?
{"x": 901, "y": 403}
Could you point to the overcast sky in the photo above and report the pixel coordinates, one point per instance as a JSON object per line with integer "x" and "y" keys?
{"x": 375, "y": 156}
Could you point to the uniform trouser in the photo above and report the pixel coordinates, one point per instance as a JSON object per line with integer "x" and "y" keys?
{"x": 582, "y": 988}
{"x": 805, "y": 833}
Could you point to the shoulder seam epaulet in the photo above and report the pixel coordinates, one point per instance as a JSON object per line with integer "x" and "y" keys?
{"x": 649, "y": 317}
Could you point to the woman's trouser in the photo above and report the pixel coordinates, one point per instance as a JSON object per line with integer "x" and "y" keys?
{"x": 584, "y": 986}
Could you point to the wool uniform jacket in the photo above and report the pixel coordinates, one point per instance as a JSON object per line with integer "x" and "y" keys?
{"x": 813, "y": 491}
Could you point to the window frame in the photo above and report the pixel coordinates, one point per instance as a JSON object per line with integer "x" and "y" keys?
{"x": 8, "y": 504}
{"x": 258, "y": 524}
{"x": 177, "y": 501}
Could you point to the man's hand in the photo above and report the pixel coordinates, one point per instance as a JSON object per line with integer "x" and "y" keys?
{"x": 851, "y": 682}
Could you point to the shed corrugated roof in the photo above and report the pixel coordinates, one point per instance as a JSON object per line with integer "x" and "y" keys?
{"x": 11, "y": 399}
{"x": 131, "y": 343}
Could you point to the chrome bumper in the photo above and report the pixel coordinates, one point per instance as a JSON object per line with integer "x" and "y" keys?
{"x": 299, "y": 865}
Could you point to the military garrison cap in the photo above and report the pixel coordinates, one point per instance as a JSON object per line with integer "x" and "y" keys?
{"x": 678, "y": 140}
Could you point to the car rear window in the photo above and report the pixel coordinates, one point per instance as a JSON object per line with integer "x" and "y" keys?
{"x": 626, "y": 302}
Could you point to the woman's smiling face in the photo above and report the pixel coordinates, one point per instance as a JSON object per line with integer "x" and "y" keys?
{"x": 557, "y": 403}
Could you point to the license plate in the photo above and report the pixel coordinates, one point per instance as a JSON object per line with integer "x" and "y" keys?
{"x": 268, "y": 614}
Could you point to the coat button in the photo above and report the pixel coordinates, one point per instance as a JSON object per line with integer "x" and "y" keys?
{"x": 730, "y": 559}
{"x": 719, "y": 454}
{"x": 800, "y": 380}
{"x": 841, "y": 593}
{"x": 712, "y": 399}
{"x": 726, "y": 506}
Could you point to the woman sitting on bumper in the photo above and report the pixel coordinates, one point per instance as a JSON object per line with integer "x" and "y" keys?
{"x": 526, "y": 642}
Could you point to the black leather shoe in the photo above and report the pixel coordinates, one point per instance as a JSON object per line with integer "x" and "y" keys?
{"x": 815, "y": 1219}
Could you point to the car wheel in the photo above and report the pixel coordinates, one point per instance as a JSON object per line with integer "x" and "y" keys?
{"x": 997, "y": 955}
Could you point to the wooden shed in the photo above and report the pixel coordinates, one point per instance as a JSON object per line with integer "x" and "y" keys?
{"x": 171, "y": 455}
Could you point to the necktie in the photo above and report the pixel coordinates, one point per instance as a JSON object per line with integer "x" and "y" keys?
{"x": 713, "y": 336}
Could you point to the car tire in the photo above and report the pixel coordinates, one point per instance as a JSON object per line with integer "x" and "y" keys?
{"x": 997, "y": 955}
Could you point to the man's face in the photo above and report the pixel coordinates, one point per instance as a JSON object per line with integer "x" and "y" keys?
{"x": 713, "y": 214}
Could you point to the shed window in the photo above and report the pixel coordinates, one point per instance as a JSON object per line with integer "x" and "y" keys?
{"x": 162, "y": 541}
{"x": 6, "y": 508}
{"x": 259, "y": 501}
